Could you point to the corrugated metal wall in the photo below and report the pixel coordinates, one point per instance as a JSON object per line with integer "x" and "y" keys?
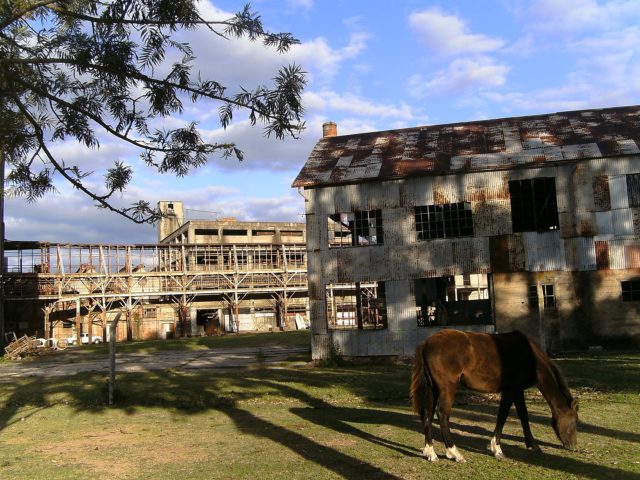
{"x": 598, "y": 231}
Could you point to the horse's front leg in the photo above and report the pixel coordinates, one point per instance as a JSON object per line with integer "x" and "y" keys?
{"x": 503, "y": 412}
{"x": 523, "y": 414}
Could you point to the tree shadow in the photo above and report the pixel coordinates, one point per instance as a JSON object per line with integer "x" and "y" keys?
{"x": 224, "y": 391}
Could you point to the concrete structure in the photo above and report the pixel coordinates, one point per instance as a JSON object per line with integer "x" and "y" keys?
{"x": 204, "y": 277}
{"x": 530, "y": 223}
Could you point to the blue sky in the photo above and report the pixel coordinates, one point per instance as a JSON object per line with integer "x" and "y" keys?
{"x": 372, "y": 65}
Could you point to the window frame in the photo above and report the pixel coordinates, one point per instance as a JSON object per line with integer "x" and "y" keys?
{"x": 360, "y": 228}
{"x": 631, "y": 294}
{"x": 446, "y": 220}
{"x": 357, "y": 313}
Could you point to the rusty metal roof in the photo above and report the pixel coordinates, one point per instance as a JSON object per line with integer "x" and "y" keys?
{"x": 484, "y": 145}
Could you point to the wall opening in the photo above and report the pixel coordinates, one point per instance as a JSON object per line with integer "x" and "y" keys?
{"x": 534, "y": 206}
{"x": 360, "y": 305}
{"x": 453, "y": 300}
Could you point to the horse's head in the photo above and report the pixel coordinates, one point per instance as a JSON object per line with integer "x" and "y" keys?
{"x": 565, "y": 425}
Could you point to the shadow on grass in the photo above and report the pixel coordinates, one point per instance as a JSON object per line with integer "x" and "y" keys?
{"x": 381, "y": 387}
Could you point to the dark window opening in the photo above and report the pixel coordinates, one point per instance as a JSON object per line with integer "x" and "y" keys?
{"x": 452, "y": 300}
{"x": 233, "y": 231}
{"x": 444, "y": 221}
{"x": 262, "y": 233}
{"x": 150, "y": 312}
{"x": 534, "y": 206}
{"x": 291, "y": 233}
{"x": 630, "y": 291}
{"x": 206, "y": 231}
{"x": 355, "y": 228}
{"x": 357, "y": 306}
{"x": 633, "y": 190}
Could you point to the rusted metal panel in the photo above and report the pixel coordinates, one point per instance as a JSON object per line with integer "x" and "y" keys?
{"x": 604, "y": 223}
{"x": 580, "y": 253}
{"x": 471, "y": 255}
{"x": 601, "y": 197}
{"x": 491, "y": 217}
{"x": 632, "y": 255}
{"x": 622, "y": 221}
{"x": 618, "y": 192}
{"x": 485, "y": 145}
{"x": 507, "y": 253}
{"x": 602, "y": 255}
{"x": 636, "y": 221}
{"x": 617, "y": 258}
{"x": 435, "y": 259}
{"x": 544, "y": 251}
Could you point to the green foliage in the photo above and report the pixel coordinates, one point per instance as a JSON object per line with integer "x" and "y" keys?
{"x": 80, "y": 69}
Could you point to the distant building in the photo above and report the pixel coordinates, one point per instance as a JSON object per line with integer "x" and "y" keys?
{"x": 203, "y": 277}
{"x": 530, "y": 223}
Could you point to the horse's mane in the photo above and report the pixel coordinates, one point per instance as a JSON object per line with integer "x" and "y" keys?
{"x": 561, "y": 381}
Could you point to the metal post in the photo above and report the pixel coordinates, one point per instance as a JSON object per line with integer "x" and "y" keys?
{"x": 112, "y": 356}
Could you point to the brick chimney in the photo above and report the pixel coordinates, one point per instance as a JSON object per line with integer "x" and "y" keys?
{"x": 329, "y": 129}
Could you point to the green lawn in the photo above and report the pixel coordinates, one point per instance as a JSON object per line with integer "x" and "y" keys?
{"x": 289, "y": 422}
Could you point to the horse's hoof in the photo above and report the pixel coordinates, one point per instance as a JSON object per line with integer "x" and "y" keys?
{"x": 430, "y": 453}
{"x": 534, "y": 448}
{"x": 454, "y": 454}
{"x": 499, "y": 455}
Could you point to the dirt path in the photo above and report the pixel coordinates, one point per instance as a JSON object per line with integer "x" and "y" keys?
{"x": 144, "y": 362}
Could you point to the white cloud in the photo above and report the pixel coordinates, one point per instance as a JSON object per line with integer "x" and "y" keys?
{"x": 460, "y": 75}
{"x": 449, "y": 35}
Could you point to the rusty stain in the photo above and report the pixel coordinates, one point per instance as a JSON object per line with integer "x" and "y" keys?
{"x": 439, "y": 198}
{"x": 602, "y": 255}
{"x": 601, "y": 195}
{"x": 587, "y": 229}
{"x": 484, "y": 145}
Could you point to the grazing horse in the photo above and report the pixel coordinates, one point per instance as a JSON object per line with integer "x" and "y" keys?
{"x": 508, "y": 363}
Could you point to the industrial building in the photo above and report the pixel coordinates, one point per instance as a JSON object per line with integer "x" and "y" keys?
{"x": 203, "y": 277}
{"x": 529, "y": 223}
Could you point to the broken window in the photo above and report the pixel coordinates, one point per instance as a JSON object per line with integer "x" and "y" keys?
{"x": 360, "y": 305}
{"x": 630, "y": 290}
{"x": 633, "y": 190}
{"x": 355, "y": 228}
{"x": 150, "y": 312}
{"x": 533, "y": 205}
{"x": 453, "y": 300}
{"x": 548, "y": 296}
{"x": 444, "y": 221}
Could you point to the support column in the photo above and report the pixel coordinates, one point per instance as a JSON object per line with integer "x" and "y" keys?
{"x": 78, "y": 323}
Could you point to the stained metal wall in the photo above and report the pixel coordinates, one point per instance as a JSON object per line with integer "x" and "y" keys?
{"x": 598, "y": 230}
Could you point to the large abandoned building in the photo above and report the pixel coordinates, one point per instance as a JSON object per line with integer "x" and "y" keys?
{"x": 202, "y": 277}
{"x": 530, "y": 223}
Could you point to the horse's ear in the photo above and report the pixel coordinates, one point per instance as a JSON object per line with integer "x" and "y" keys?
{"x": 575, "y": 404}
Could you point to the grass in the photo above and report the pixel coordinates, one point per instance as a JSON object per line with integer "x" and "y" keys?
{"x": 351, "y": 421}
{"x": 245, "y": 340}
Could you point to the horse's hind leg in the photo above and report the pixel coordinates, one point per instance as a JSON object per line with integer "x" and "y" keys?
{"x": 523, "y": 414}
{"x": 503, "y": 412}
{"x": 444, "y": 412}
{"x": 427, "y": 421}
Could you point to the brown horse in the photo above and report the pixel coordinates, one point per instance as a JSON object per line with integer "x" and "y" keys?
{"x": 508, "y": 363}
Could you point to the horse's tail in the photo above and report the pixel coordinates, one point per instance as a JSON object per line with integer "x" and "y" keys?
{"x": 420, "y": 381}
